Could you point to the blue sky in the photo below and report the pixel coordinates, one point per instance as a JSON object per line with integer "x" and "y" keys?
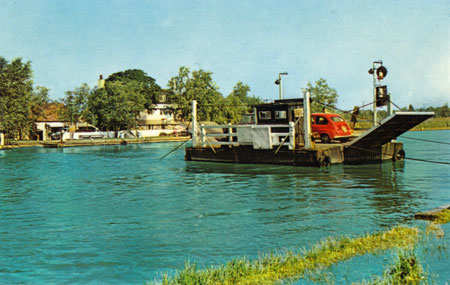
{"x": 72, "y": 42}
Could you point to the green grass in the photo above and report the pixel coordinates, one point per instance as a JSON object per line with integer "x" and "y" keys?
{"x": 434, "y": 124}
{"x": 406, "y": 269}
{"x": 292, "y": 265}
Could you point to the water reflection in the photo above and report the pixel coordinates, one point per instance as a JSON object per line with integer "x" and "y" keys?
{"x": 376, "y": 191}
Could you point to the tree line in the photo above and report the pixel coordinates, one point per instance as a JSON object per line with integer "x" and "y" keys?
{"x": 126, "y": 94}
{"x": 118, "y": 104}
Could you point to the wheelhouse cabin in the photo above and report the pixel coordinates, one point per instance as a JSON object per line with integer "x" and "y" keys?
{"x": 280, "y": 112}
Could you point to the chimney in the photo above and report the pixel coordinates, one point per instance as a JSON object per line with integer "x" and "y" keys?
{"x": 101, "y": 82}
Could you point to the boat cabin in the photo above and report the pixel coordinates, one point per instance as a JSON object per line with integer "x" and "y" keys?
{"x": 280, "y": 112}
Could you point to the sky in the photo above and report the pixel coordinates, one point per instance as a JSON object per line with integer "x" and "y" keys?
{"x": 72, "y": 42}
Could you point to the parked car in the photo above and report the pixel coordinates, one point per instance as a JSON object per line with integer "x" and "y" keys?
{"x": 57, "y": 135}
{"x": 330, "y": 127}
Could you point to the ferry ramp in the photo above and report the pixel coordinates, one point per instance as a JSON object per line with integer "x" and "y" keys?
{"x": 369, "y": 145}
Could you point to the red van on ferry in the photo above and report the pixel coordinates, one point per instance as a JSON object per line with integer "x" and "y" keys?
{"x": 330, "y": 127}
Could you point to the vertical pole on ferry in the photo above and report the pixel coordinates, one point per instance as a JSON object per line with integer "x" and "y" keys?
{"x": 389, "y": 106}
{"x": 307, "y": 117}
{"x": 194, "y": 124}
{"x": 374, "y": 94}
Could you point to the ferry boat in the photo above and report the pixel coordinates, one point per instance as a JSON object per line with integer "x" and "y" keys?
{"x": 281, "y": 134}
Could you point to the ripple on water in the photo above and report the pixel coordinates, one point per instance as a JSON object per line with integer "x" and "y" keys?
{"x": 119, "y": 214}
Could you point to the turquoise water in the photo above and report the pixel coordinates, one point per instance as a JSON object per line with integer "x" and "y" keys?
{"x": 119, "y": 214}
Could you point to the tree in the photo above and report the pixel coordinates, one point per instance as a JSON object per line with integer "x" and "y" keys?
{"x": 117, "y": 106}
{"x": 322, "y": 93}
{"x": 39, "y": 100}
{"x": 149, "y": 89}
{"x": 16, "y": 88}
{"x": 76, "y": 103}
{"x": 239, "y": 102}
{"x": 196, "y": 85}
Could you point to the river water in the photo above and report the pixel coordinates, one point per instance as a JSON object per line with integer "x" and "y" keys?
{"x": 120, "y": 214}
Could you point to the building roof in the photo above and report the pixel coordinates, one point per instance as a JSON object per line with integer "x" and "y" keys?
{"x": 51, "y": 113}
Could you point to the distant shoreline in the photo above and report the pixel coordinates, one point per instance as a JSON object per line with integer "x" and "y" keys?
{"x": 97, "y": 142}
{"x": 92, "y": 142}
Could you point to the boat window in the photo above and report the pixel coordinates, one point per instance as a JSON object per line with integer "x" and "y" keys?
{"x": 264, "y": 115}
{"x": 321, "y": 121}
{"x": 280, "y": 114}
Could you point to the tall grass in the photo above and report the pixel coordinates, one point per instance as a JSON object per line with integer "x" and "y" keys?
{"x": 406, "y": 269}
{"x": 292, "y": 265}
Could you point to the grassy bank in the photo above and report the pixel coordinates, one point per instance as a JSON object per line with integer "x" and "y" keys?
{"x": 406, "y": 269}
{"x": 430, "y": 124}
{"x": 434, "y": 124}
{"x": 293, "y": 265}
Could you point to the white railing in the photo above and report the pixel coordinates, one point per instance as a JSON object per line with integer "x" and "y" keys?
{"x": 204, "y": 135}
{"x": 276, "y": 138}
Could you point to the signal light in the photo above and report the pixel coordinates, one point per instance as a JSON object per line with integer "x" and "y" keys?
{"x": 381, "y": 72}
{"x": 382, "y": 97}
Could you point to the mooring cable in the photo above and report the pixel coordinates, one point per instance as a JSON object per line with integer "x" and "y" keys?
{"x": 409, "y": 158}
{"x": 424, "y": 140}
{"x": 173, "y": 150}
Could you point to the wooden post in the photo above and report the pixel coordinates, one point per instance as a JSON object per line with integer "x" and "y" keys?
{"x": 307, "y": 118}
{"x": 2, "y": 138}
{"x": 256, "y": 115}
{"x": 230, "y": 132}
{"x": 194, "y": 123}
{"x": 291, "y": 135}
{"x": 203, "y": 138}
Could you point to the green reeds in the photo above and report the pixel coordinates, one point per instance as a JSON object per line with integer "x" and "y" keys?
{"x": 406, "y": 269}
{"x": 443, "y": 216}
{"x": 292, "y": 265}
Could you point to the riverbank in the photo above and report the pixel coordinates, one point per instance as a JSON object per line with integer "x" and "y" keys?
{"x": 93, "y": 142}
{"x": 304, "y": 264}
{"x": 432, "y": 124}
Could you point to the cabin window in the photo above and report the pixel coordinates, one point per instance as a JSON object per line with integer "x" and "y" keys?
{"x": 265, "y": 115}
{"x": 280, "y": 115}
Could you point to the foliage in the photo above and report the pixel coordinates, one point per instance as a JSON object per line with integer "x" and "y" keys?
{"x": 239, "y": 102}
{"x": 443, "y": 111}
{"x": 149, "y": 89}
{"x": 290, "y": 265}
{"x": 196, "y": 85}
{"x": 117, "y": 106}
{"x": 18, "y": 102}
{"x": 76, "y": 103}
{"x": 322, "y": 93}
{"x": 211, "y": 105}
{"x": 39, "y": 99}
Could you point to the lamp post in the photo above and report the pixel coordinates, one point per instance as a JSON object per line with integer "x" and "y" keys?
{"x": 280, "y": 85}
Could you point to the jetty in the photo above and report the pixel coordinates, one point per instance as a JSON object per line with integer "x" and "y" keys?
{"x": 281, "y": 134}
{"x": 98, "y": 142}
